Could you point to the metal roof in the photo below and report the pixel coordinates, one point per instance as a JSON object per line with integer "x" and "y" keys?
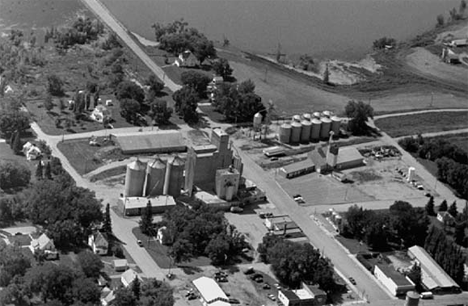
{"x": 210, "y": 291}
{"x": 433, "y": 276}
{"x": 302, "y": 165}
{"x": 347, "y": 154}
{"x": 166, "y": 141}
{"x": 140, "y": 202}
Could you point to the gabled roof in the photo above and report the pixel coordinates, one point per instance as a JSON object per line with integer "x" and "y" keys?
{"x": 41, "y": 242}
{"x": 129, "y": 276}
{"x": 210, "y": 291}
{"x": 100, "y": 239}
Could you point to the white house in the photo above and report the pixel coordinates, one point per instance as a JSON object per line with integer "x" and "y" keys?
{"x": 100, "y": 113}
{"x": 31, "y": 151}
{"x": 98, "y": 243}
{"x": 120, "y": 264}
{"x": 129, "y": 276}
{"x": 187, "y": 59}
{"x": 44, "y": 243}
{"x": 210, "y": 292}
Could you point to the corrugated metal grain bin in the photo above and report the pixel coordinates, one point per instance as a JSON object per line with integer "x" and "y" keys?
{"x": 296, "y": 132}
{"x": 326, "y": 127}
{"x": 306, "y": 130}
{"x": 285, "y": 133}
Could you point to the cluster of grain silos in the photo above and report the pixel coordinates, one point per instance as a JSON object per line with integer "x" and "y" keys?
{"x": 309, "y": 128}
{"x": 155, "y": 178}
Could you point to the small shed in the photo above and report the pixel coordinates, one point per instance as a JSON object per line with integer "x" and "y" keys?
{"x": 120, "y": 264}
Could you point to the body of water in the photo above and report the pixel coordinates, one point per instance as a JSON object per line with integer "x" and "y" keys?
{"x": 342, "y": 29}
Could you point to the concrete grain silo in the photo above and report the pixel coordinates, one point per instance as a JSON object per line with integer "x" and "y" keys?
{"x": 412, "y": 299}
{"x": 135, "y": 179}
{"x": 285, "y": 133}
{"x": 155, "y": 175}
{"x": 306, "y": 130}
{"x": 317, "y": 115}
{"x": 297, "y": 118}
{"x": 307, "y": 116}
{"x": 316, "y": 127}
{"x": 176, "y": 176}
{"x": 296, "y": 132}
{"x": 326, "y": 114}
{"x": 326, "y": 128}
{"x": 336, "y": 124}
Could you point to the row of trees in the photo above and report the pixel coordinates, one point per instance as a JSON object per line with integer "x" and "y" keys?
{"x": 294, "y": 263}
{"x": 151, "y": 292}
{"x": 446, "y": 253}
{"x": 451, "y": 160}
{"x": 177, "y": 37}
{"x": 201, "y": 231}
{"x": 402, "y": 225}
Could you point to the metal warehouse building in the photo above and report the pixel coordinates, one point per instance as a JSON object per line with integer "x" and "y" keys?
{"x": 151, "y": 142}
{"x": 297, "y": 169}
{"x": 434, "y": 278}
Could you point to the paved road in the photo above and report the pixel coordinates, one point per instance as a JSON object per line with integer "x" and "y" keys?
{"x": 344, "y": 262}
{"x": 100, "y": 10}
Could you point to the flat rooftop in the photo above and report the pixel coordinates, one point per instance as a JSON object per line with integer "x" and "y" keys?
{"x": 158, "y": 141}
{"x": 346, "y": 154}
{"x": 305, "y": 164}
{"x": 140, "y": 202}
{"x": 397, "y": 277}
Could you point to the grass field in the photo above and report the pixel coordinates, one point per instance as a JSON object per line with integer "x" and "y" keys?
{"x": 82, "y": 156}
{"x": 423, "y": 123}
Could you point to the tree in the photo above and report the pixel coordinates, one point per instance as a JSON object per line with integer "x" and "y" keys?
{"x": 86, "y": 291}
{"x": 136, "y": 288}
{"x": 430, "y": 207}
{"x": 460, "y": 237}
{"x": 415, "y": 275}
{"x": 443, "y": 206}
{"x": 218, "y": 250}
{"x": 124, "y": 297}
{"x": 440, "y": 20}
{"x": 359, "y": 112}
{"x": 462, "y": 8}
{"x": 13, "y": 263}
{"x": 90, "y": 264}
{"x": 39, "y": 170}
{"x": 222, "y": 68}
{"x": 129, "y": 109}
{"x": 186, "y": 103}
{"x": 107, "y": 223}
{"x": 453, "y": 209}
{"x": 156, "y": 293}
{"x": 54, "y": 85}
{"x": 326, "y": 75}
{"x": 155, "y": 86}
{"x": 17, "y": 145}
{"x": 48, "y": 105}
{"x": 160, "y": 113}
{"x": 146, "y": 222}
{"x": 12, "y": 121}
{"x": 130, "y": 90}
{"x": 13, "y": 175}
{"x": 196, "y": 80}
{"x": 48, "y": 172}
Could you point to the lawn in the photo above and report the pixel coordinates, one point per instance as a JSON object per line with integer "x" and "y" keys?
{"x": 84, "y": 157}
{"x": 423, "y": 123}
{"x": 159, "y": 254}
{"x": 353, "y": 246}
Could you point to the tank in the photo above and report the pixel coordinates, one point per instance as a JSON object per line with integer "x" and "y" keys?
{"x": 326, "y": 114}
{"x": 336, "y": 124}
{"x": 257, "y": 121}
{"x": 306, "y": 130}
{"x": 317, "y": 115}
{"x": 326, "y": 128}
{"x": 307, "y": 116}
{"x": 296, "y": 132}
{"x": 135, "y": 179}
{"x": 155, "y": 175}
{"x": 176, "y": 175}
{"x": 412, "y": 299}
{"x": 285, "y": 133}
{"x": 316, "y": 127}
{"x": 297, "y": 118}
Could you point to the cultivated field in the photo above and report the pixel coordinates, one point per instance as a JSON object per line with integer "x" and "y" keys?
{"x": 423, "y": 123}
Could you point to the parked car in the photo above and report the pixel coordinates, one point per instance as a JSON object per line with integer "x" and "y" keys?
{"x": 266, "y": 286}
{"x": 140, "y": 243}
{"x": 272, "y": 297}
{"x": 236, "y": 209}
{"x": 352, "y": 280}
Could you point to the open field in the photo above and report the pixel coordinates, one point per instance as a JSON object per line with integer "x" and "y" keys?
{"x": 423, "y": 123}
{"x": 84, "y": 157}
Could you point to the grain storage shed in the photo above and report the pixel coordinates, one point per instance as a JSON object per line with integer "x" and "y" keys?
{"x": 316, "y": 127}
{"x": 155, "y": 172}
{"x": 296, "y": 132}
{"x": 326, "y": 128}
{"x": 306, "y": 130}
{"x": 135, "y": 179}
{"x": 285, "y": 133}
